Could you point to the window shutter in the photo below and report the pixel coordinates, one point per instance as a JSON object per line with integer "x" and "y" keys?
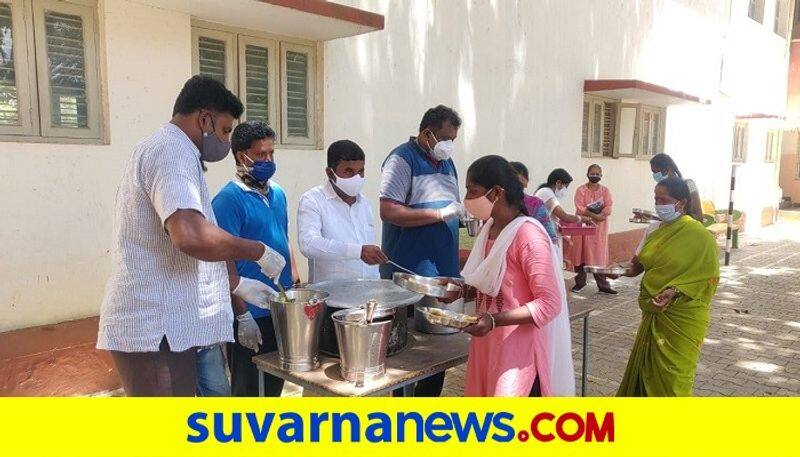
{"x": 9, "y": 97}
{"x": 257, "y": 70}
{"x": 66, "y": 70}
{"x": 646, "y": 132}
{"x": 597, "y": 128}
{"x": 656, "y": 141}
{"x": 212, "y": 58}
{"x": 609, "y": 128}
{"x": 585, "y": 128}
{"x": 297, "y": 94}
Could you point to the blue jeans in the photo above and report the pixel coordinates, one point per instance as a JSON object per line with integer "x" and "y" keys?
{"x": 212, "y": 380}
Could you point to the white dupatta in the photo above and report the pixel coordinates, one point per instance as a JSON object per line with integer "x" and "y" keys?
{"x": 485, "y": 272}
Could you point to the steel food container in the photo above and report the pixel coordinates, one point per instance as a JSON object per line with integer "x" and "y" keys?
{"x": 297, "y": 324}
{"x": 362, "y": 345}
{"x": 353, "y": 293}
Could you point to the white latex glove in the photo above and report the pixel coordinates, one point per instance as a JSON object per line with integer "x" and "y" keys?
{"x": 254, "y": 292}
{"x": 455, "y": 209}
{"x": 249, "y": 335}
{"x": 271, "y": 262}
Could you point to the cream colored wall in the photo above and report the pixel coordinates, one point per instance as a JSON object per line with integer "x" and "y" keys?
{"x": 514, "y": 70}
{"x": 57, "y": 200}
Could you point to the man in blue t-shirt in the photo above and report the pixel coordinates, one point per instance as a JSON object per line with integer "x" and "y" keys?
{"x": 252, "y": 206}
{"x": 420, "y": 207}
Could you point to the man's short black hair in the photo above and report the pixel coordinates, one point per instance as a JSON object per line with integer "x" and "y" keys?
{"x": 435, "y": 117}
{"x": 344, "y": 150}
{"x": 203, "y": 92}
{"x": 245, "y": 133}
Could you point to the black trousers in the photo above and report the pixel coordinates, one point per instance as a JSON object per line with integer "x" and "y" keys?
{"x": 244, "y": 374}
{"x": 157, "y": 374}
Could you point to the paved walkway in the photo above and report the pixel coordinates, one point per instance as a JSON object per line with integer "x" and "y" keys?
{"x": 753, "y": 343}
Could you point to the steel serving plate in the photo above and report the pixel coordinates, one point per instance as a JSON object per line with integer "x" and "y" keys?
{"x": 438, "y": 316}
{"x": 639, "y": 213}
{"x": 438, "y": 287}
{"x": 615, "y": 270}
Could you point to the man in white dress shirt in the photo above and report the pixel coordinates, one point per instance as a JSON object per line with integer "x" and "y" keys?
{"x": 168, "y": 292}
{"x": 335, "y": 221}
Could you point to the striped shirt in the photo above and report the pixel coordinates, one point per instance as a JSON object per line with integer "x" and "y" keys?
{"x": 411, "y": 178}
{"x": 154, "y": 289}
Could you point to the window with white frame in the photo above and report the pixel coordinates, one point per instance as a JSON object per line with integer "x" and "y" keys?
{"x": 274, "y": 78}
{"x": 615, "y": 129}
{"x": 740, "y": 135}
{"x": 49, "y": 76}
{"x": 755, "y": 10}
{"x": 599, "y": 127}
{"x": 773, "y": 149}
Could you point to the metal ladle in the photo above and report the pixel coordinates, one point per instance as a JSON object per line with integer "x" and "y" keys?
{"x": 404, "y": 269}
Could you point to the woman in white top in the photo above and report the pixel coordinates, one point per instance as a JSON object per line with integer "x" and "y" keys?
{"x": 664, "y": 167}
{"x": 551, "y": 193}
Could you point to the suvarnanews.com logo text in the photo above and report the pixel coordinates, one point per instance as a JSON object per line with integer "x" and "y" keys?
{"x": 400, "y": 427}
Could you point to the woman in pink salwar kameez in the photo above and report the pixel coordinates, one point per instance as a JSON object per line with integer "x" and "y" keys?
{"x": 592, "y": 200}
{"x": 514, "y": 267}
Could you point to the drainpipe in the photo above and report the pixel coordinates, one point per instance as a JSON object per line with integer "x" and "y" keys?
{"x": 729, "y": 219}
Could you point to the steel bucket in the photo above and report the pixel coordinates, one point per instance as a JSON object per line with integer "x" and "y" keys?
{"x": 362, "y": 346}
{"x": 473, "y": 226}
{"x": 297, "y": 326}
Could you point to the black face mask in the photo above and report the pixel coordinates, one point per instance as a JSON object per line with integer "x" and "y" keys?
{"x": 594, "y": 179}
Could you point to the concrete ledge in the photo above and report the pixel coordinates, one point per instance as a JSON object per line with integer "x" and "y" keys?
{"x": 55, "y": 360}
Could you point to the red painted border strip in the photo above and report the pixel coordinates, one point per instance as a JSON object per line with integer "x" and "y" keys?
{"x": 333, "y": 11}
{"x": 591, "y": 85}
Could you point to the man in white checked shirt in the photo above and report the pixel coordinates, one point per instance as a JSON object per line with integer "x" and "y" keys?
{"x": 168, "y": 292}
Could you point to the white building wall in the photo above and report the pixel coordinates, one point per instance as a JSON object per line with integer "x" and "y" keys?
{"x": 513, "y": 69}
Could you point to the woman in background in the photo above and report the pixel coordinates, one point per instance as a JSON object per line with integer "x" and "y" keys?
{"x": 552, "y": 193}
{"x": 679, "y": 258}
{"x": 664, "y": 167}
{"x": 592, "y": 200}
{"x": 534, "y": 205}
{"x": 521, "y": 344}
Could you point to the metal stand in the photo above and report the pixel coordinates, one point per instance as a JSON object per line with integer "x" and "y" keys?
{"x": 585, "y": 355}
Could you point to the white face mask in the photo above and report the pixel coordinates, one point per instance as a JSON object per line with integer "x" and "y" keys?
{"x": 561, "y": 194}
{"x": 350, "y": 186}
{"x": 442, "y": 150}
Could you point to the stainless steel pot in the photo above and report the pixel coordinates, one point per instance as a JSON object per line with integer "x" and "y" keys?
{"x": 297, "y": 324}
{"x": 353, "y": 293}
{"x": 362, "y": 345}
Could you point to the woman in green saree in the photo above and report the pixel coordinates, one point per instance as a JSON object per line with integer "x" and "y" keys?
{"x": 680, "y": 261}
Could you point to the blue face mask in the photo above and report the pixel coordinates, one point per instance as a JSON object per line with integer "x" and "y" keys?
{"x": 658, "y": 176}
{"x": 261, "y": 170}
